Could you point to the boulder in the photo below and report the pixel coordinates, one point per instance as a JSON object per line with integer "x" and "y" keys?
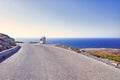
{"x": 6, "y": 42}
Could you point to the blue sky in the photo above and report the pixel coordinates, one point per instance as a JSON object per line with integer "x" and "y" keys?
{"x": 60, "y": 18}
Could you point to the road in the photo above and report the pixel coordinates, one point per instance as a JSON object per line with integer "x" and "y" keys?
{"x": 46, "y": 62}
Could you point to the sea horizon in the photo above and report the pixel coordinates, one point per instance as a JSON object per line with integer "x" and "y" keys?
{"x": 79, "y": 42}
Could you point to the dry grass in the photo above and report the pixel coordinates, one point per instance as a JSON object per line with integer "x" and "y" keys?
{"x": 111, "y": 54}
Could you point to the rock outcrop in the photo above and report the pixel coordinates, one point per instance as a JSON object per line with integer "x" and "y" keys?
{"x": 69, "y": 48}
{"x": 6, "y": 42}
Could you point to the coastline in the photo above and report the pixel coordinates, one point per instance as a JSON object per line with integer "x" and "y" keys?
{"x": 86, "y": 52}
{"x": 81, "y": 43}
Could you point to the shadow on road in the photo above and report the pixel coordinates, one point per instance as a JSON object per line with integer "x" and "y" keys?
{"x": 6, "y": 57}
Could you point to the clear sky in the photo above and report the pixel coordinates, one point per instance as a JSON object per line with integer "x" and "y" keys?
{"x": 60, "y": 18}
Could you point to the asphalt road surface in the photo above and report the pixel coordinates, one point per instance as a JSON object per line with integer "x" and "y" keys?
{"x": 46, "y": 62}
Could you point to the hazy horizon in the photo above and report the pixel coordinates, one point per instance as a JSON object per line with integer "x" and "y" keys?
{"x": 60, "y": 18}
{"x": 69, "y": 38}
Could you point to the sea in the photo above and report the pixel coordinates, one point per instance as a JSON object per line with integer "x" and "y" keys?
{"x": 79, "y": 42}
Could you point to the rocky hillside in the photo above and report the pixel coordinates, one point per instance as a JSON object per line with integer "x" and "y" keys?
{"x": 6, "y": 42}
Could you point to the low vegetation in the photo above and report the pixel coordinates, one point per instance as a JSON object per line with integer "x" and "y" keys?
{"x": 19, "y": 42}
{"x": 111, "y": 54}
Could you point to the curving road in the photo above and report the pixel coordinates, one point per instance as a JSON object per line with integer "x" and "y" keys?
{"x": 46, "y": 62}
